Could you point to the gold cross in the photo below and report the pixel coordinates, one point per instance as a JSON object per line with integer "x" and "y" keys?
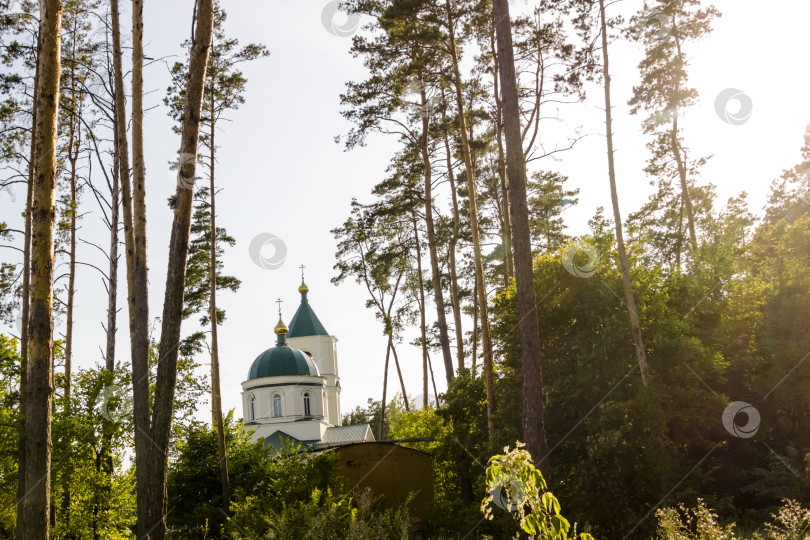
{"x": 279, "y": 301}
{"x": 302, "y": 271}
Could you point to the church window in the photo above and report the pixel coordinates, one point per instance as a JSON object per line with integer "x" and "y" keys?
{"x": 307, "y": 410}
{"x": 276, "y": 406}
{"x": 252, "y": 406}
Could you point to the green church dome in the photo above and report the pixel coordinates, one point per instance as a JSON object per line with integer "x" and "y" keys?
{"x": 282, "y": 360}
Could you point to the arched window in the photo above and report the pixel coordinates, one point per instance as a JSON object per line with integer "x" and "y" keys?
{"x": 307, "y": 409}
{"x": 276, "y": 406}
{"x": 252, "y": 407}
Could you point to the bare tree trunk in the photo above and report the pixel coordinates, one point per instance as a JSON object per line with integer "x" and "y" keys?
{"x": 433, "y": 380}
{"x": 112, "y": 285}
{"x": 176, "y": 272}
{"x": 140, "y": 344}
{"x": 507, "y": 224}
{"x": 385, "y": 390}
{"x": 690, "y": 214}
{"x": 73, "y": 156}
{"x": 676, "y": 152}
{"x": 475, "y": 329}
{"x": 29, "y": 203}
{"x": 455, "y": 297}
{"x": 40, "y": 386}
{"x": 432, "y": 249}
{"x": 140, "y": 377}
{"x": 216, "y": 396}
{"x": 399, "y": 373}
{"x": 422, "y": 323}
{"x": 479, "y": 261}
{"x": 629, "y": 297}
{"x": 533, "y": 430}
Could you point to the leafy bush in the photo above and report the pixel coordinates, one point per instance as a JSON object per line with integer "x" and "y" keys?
{"x": 517, "y": 486}
{"x": 790, "y": 522}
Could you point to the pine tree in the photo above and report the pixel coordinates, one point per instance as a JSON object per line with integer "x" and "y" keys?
{"x": 224, "y": 92}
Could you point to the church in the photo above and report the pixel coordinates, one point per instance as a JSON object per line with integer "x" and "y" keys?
{"x": 292, "y": 390}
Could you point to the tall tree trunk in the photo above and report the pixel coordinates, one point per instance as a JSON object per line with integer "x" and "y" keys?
{"x": 140, "y": 345}
{"x": 444, "y": 339}
{"x": 73, "y": 150}
{"x": 479, "y": 261}
{"x": 455, "y": 297}
{"x": 676, "y": 152}
{"x": 216, "y": 396}
{"x": 687, "y": 200}
{"x": 507, "y": 224}
{"x": 112, "y": 285}
{"x": 533, "y": 429}
{"x": 176, "y": 272}
{"x": 106, "y": 457}
{"x": 29, "y": 203}
{"x": 433, "y": 381}
{"x": 475, "y": 328}
{"x": 399, "y": 374}
{"x": 74, "y": 143}
{"x": 140, "y": 378}
{"x": 385, "y": 391}
{"x": 39, "y": 395}
{"x": 422, "y": 323}
{"x": 630, "y": 299}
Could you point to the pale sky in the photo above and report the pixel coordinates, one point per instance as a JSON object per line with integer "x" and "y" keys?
{"x": 282, "y": 173}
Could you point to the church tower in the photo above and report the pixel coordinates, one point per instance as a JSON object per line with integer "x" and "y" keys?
{"x": 308, "y": 334}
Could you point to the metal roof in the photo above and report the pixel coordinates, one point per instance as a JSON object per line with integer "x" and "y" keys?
{"x": 347, "y": 434}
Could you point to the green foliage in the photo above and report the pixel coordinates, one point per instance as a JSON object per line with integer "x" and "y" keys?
{"x": 514, "y": 484}
{"x": 194, "y": 490}
{"x": 790, "y": 522}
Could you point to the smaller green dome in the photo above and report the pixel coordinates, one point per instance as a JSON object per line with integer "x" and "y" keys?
{"x": 281, "y": 361}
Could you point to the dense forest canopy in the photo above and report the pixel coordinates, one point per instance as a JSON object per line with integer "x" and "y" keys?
{"x": 644, "y": 376}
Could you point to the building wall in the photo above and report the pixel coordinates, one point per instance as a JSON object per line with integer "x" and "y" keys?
{"x": 292, "y": 420}
{"x": 324, "y": 353}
